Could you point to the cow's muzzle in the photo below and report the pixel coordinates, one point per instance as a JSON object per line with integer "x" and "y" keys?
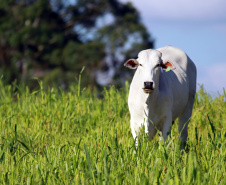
{"x": 148, "y": 87}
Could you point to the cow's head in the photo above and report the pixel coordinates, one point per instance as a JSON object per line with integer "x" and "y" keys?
{"x": 148, "y": 65}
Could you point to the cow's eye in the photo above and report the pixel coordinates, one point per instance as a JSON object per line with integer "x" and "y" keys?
{"x": 141, "y": 65}
{"x": 157, "y": 65}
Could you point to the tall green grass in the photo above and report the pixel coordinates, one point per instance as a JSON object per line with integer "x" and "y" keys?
{"x": 57, "y": 137}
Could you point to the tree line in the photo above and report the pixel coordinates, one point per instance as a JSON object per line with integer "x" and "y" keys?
{"x": 53, "y": 40}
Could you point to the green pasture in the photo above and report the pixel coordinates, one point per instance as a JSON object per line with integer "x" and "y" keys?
{"x": 75, "y": 137}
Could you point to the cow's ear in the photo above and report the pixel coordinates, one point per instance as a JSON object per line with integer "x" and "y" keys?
{"x": 131, "y": 63}
{"x": 167, "y": 66}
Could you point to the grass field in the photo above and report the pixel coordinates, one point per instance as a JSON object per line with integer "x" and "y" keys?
{"x": 57, "y": 137}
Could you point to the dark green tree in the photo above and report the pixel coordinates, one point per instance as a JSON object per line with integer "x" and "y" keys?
{"x": 53, "y": 40}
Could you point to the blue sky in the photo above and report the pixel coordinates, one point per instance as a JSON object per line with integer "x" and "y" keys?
{"x": 197, "y": 27}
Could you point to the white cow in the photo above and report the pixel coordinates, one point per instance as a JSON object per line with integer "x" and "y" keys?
{"x": 163, "y": 89}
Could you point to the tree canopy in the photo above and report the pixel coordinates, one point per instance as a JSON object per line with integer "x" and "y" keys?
{"x": 53, "y": 40}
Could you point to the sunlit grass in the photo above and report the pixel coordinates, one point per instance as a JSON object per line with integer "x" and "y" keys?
{"x": 74, "y": 137}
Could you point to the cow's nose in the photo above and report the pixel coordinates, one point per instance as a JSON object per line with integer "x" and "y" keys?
{"x": 148, "y": 85}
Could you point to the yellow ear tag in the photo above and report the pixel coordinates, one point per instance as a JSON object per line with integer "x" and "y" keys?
{"x": 168, "y": 69}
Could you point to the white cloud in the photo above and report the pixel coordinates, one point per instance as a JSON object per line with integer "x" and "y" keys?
{"x": 176, "y": 10}
{"x": 214, "y": 77}
{"x": 220, "y": 27}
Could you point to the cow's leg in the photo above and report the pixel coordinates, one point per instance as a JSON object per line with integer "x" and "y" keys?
{"x": 183, "y": 123}
{"x": 152, "y": 130}
{"x": 135, "y": 129}
{"x": 134, "y": 132}
{"x": 136, "y": 123}
{"x": 167, "y": 124}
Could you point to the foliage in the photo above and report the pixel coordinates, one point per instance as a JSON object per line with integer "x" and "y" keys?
{"x": 73, "y": 137}
{"x": 54, "y": 39}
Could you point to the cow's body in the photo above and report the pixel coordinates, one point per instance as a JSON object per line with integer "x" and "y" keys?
{"x": 172, "y": 97}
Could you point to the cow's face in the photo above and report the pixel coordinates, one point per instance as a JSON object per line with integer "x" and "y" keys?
{"x": 148, "y": 63}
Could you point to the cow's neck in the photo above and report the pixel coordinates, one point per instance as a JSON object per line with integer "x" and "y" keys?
{"x": 151, "y": 98}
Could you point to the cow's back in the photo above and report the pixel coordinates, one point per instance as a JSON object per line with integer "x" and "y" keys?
{"x": 182, "y": 63}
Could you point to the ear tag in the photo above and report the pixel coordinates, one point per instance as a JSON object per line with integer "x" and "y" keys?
{"x": 168, "y": 69}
